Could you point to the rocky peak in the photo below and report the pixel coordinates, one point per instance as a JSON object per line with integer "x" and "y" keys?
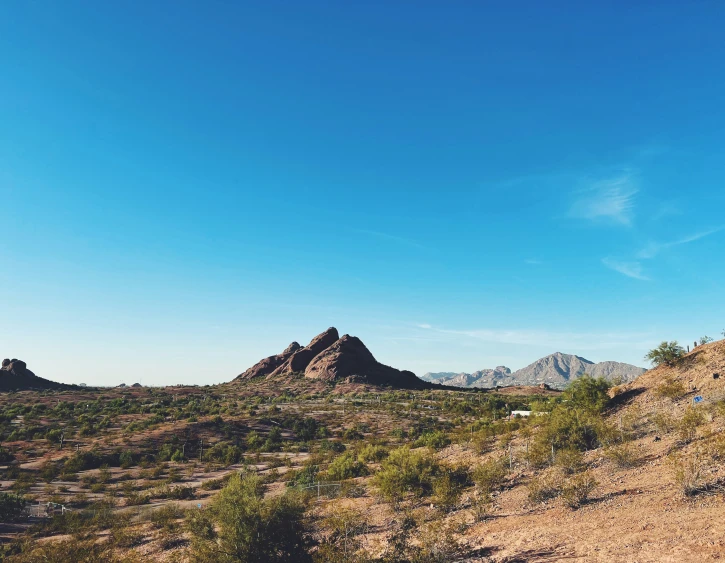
{"x": 330, "y": 358}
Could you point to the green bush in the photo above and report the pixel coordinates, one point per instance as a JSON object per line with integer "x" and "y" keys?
{"x": 671, "y": 389}
{"x": 587, "y": 393}
{"x": 346, "y": 466}
{"x": 405, "y": 470}
{"x": 436, "y": 440}
{"x": 668, "y": 353}
{"x": 373, "y": 453}
{"x": 687, "y": 426}
{"x": 570, "y": 460}
{"x": 543, "y": 488}
{"x": 490, "y": 475}
{"x": 241, "y": 526}
{"x": 576, "y": 490}
{"x": 11, "y": 507}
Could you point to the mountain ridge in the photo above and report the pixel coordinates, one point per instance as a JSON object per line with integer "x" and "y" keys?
{"x": 555, "y": 370}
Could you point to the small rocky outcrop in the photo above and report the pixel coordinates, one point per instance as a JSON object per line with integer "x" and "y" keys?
{"x": 15, "y": 376}
{"x": 330, "y": 358}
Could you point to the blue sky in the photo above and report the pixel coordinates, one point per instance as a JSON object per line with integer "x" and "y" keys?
{"x": 186, "y": 189}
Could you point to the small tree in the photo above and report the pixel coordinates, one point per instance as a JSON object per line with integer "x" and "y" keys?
{"x": 242, "y": 526}
{"x": 668, "y": 353}
{"x": 705, "y": 340}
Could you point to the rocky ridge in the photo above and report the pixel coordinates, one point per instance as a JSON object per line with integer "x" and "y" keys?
{"x": 555, "y": 370}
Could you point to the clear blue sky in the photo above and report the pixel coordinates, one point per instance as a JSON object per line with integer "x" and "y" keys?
{"x": 188, "y": 187}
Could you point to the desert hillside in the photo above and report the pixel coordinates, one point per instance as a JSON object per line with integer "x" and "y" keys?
{"x": 368, "y": 473}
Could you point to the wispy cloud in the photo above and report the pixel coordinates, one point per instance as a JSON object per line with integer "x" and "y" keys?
{"x": 391, "y": 238}
{"x": 652, "y": 249}
{"x": 553, "y": 339}
{"x": 533, "y": 262}
{"x": 629, "y": 269}
{"x": 424, "y": 325}
{"x": 607, "y": 200}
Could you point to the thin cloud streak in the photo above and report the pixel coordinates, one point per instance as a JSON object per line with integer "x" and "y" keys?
{"x": 629, "y": 269}
{"x": 654, "y": 248}
{"x": 555, "y": 340}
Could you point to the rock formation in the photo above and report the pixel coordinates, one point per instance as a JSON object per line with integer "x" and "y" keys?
{"x": 268, "y": 365}
{"x": 15, "y": 376}
{"x": 330, "y": 358}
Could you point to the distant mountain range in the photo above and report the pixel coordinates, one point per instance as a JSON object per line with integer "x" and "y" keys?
{"x": 555, "y": 370}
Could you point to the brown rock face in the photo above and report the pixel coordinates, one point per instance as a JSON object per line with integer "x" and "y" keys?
{"x": 349, "y": 358}
{"x": 301, "y": 358}
{"x": 330, "y": 358}
{"x": 15, "y": 375}
{"x": 268, "y": 365}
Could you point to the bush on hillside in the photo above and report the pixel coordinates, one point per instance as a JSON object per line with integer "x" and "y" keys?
{"x": 241, "y": 526}
{"x": 667, "y": 353}
{"x": 588, "y": 393}
{"x": 346, "y": 466}
{"x": 405, "y": 470}
{"x": 576, "y": 490}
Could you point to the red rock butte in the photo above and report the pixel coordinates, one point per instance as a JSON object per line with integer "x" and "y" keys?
{"x": 332, "y": 358}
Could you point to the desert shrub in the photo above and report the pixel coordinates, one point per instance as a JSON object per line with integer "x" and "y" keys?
{"x": 49, "y": 471}
{"x": 125, "y": 537}
{"x": 663, "y": 421}
{"x": 11, "y": 507}
{"x": 126, "y": 459}
{"x": 6, "y": 456}
{"x": 490, "y": 475}
{"x": 214, "y": 484}
{"x": 352, "y": 434}
{"x": 405, "y": 470}
{"x": 668, "y": 353}
{"x": 243, "y": 526}
{"x": 305, "y": 477}
{"x": 543, "y": 488}
{"x": 373, "y": 453}
{"x": 570, "y": 461}
{"x": 622, "y": 455}
{"x": 332, "y": 446}
{"x": 446, "y": 490}
{"x": 588, "y": 393}
{"x": 227, "y": 454}
{"x": 346, "y": 466}
{"x": 166, "y": 515}
{"x": 689, "y": 473}
{"x": 341, "y": 543}
{"x": 481, "y": 503}
{"x": 254, "y": 440}
{"x": 135, "y": 498}
{"x": 70, "y": 551}
{"x": 687, "y": 426}
{"x": 671, "y": 389}
{"x": 576, "y": 490}
{"x": 436, "y": 440}
{"x": 178, "y": 493}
